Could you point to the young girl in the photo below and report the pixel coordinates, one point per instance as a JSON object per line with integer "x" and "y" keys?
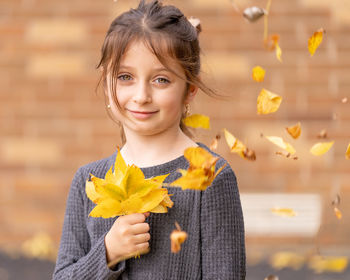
{"x": 150, "y": 72}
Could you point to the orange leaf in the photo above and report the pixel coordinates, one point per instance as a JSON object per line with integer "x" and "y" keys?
{"x": 347, "y": 153}
{"x": 258, "y": 74}
{"x": 315, "y": 40}
{"x": 177, "y": 237}
{"x": 294, "y": 131}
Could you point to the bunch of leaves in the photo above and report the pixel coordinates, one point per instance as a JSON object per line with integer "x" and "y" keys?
{"x": 126, "y": 191}
{"x": 201, "y": 171}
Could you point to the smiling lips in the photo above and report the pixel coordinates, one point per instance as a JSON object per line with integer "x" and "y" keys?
{"x": 142, "y": 115}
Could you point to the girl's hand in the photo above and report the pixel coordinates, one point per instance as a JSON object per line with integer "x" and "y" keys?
{"x": 128, "y": 237}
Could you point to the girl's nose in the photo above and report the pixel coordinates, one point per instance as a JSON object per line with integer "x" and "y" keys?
{"x": 142, "y": 94}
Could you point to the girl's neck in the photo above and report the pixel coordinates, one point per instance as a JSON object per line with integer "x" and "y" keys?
{"x": 146, "y": 151}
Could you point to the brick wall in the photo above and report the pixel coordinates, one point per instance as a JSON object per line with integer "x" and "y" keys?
{"x": 52, "y": 121}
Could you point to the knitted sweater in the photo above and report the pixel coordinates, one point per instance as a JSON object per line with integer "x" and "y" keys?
{"x": 214, "y": 249}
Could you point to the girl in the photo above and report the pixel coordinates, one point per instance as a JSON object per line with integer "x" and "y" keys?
{"x": 150, "y": 72}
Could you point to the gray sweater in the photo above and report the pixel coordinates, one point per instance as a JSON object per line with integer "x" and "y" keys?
{"x": 215, "y": 248}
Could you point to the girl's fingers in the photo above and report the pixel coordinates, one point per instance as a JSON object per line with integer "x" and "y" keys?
{"x": 140, "y": 228}
{"x": 142, "y": 238}
{"x": 134, "y": 218}
{"x": 142, "y": 248}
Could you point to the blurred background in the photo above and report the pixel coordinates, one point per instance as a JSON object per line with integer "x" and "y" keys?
{"x": 52, "y": 122}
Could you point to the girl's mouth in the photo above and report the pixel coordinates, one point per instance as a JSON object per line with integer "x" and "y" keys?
{"x": 142, "y": 115}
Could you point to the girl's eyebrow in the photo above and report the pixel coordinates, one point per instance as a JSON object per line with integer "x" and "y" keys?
{"x": 155, "y": 69}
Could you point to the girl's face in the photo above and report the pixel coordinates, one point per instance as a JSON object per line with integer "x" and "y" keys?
{"x": 150, "y": 96}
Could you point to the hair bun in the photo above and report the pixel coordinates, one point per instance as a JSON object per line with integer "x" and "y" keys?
{"x": 196, "y": 24}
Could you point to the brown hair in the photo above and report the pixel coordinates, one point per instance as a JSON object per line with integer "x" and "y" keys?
{"x": 168, "y": 34}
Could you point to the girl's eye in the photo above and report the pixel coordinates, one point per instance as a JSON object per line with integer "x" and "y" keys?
{"x": 124, "y": 77}
{"x": 162, "y": 80}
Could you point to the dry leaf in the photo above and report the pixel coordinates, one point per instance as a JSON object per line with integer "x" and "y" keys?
{"x": 214, "y": 142}
{"x": 347, "y": 153}
{"x": 253, "y": 13}
{"x": 315, "y": 40}
{"x": 126, "y": 191}
{"x": 196, "y": 23}
{"x": 201, "y": 171}
{"x": 258, "y": 74}
{"x": 287, "y": 155}
{"x": 321, "y": 148}
{"x": 271, "y": 277}
{"x": 338, "y": 213}
{"x": 268, "y": 102}
{"x": 282, "y": 260}
{"x": 322, "y": 264}
{"x": 278, "y": 141}
{"x": 271, "y": 43}
{"x": 197, "y": 120}
{"x": 322, "y": 134}
{"x": 283, "y": 212}
{"x": 177, "y": 237}
{"x": 238, "y": 147}
{"x": 294, "y": 131}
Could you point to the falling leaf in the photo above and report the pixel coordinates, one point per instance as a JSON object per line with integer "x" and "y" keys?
{"x": 322, "y": 134}
{"x": 344, "y": 100}
{"x": 322, "y": 264}
{"x": 258, "y": 74}
{"x": 271, "y": 44}
{"x": 283, "y": 212}
{"x": 271, "y": 277}
{"x": 197, "y": 120}
{"x": 238, "y": 147}
{"x": 126, "y": 191}
{"x": 336, "y": 201}
{"x": 294, "y": 131}
{"x": 347, "y": 153}
{"x": 287, "y": 155}
{"x": 315, "y": 40}
{"x": 201, "y": 171}
{"x": 177, "y": 237}
{"x": 321, "y": 148}
{"x": 338, "y": 213}
{"x": 282, "y": 260}
{"x": 278, "y": 141}
{"x": 268, "y": 102}
{"x": 253, "y": 13}
{"x": 40, "y": 246}
{"x": 196, "y": 23}
{"x": 214, "y": 143}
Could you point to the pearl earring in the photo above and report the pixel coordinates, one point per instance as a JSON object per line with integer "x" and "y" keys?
{"x": 187, "y": 109}
{"x": 109, "y": 106}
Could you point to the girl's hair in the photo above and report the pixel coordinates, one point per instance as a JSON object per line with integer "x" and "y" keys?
{"x": 167, "y": 33}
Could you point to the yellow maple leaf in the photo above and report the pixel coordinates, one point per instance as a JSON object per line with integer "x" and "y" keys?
{"x": 177, "y": 237}
{"x": 284, "y": 212}
{"x": 238, "y": 147}
{"x": 197, "y": 121}
{"x": 322, "y": 264}
{"x": 201, "y": 171}
{"x": 321, "y": 148}
{"x": 294, "y": 130}
{"x": 282, "y": 260}
{"x": 278, "y": 141}
{"x": 315, "y": 40}
{"x": 347, "y": 153}
{"x": 268, "y": 102}
{"x": 258, "y": 74}
{"x": 126, "y": 191}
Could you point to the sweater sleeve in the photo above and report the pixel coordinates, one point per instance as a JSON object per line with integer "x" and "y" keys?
{"x": 77, "y": 259}
{"x": 222, "y": 229}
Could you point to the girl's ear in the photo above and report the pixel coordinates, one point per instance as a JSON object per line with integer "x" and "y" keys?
{"x": 192, "y": 91}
